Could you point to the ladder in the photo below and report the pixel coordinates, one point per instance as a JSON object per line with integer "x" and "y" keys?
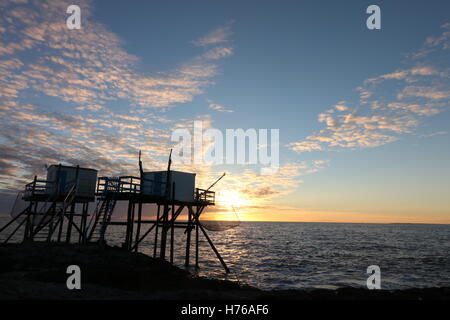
{"x": 104, "y": 210}
{"x": 98, "y": 230}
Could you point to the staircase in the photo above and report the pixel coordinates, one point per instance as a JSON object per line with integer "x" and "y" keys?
{"x": 103, "y": 212}
{"x": 97, "y": 233}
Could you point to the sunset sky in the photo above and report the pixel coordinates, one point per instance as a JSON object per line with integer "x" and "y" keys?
{"x": 363, "y": 114}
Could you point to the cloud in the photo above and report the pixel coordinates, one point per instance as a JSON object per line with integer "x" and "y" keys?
{"x": 442, "y": 40}
{"x": 83, "y": 75}
{"x": 389, "y": 105}
{"x": 81, "y": 66}
{"x": 217, "y": 36}
{"x": 423, "y": 92}
{"x": 218, "y": 53}
{"x": 341, "y": 106}
{"x": 438, "y": 133}
{"x": 219, "y": 108}
{"x": 258, "y": 191}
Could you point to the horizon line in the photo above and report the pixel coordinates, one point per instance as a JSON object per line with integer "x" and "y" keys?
{"x": 287, "y": 221}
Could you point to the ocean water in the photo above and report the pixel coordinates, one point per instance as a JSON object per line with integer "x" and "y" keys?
{"x": 272, "y": 255}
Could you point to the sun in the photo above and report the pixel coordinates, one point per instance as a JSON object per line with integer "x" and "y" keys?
{"x": 232, "y": 198}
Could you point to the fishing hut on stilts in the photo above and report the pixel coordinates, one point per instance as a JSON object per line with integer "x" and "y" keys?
{"x": 46, "y": 209}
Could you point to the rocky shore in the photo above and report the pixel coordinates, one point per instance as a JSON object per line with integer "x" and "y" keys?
{"x": 38, "y": 271}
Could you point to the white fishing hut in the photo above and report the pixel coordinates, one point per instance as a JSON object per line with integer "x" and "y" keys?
{"x": 155, "y": 183}
{"x": 61, "y": 178}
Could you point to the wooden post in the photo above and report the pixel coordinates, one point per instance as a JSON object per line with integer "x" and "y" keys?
{"x": 49, "y": 233}
{"x": 172, "y": 225}
{"x": 60, "y": 221}
{"x": 138, "y": 230}
{"x": 81, "y": 238}
{"x": 133, "y": 209}
{"x": 196, "y": 240}
{"x": 188, "y": 237}
{"x": 86, "y": 213}
{"x": 27, "y": 232}
{"x": 156, "y": 233}
{"x": 214, "y": 249}
{"x": 72, "y": 209}
{"x": 129, "y": 231}
{"x": 80, "y": 234}
{"x": 69, "y": 225}
{"x": 162, "y": 254}
{"x": 210, "y": 242}
{"x": 33, "y": 219}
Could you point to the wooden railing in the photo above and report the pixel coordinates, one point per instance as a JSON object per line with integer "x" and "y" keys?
{"x": 124, "y": 184}
{"x": 46, "y": 187}
{"x": 108, "y": 184}
{"x": 203, "y": 195}
{"x": 131, "y": 184}
{"x": 37, "y": 187}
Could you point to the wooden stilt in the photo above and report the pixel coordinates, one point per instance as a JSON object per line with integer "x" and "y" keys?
{"x": 188, "y": 237}
{"x": 156, "y": 232}
{"x": 82, "y": 238}
{"x": 69, "y": 225}
{"x": 31, "y": 229}
{"x": 212, "y": 246}
{"x": 61, "y": 222}
{"x": 155, "y": 223}
{"x": 172, "y": 229}
{"x": 132, "y": 225}
{"x": 162, "y": 249}
{"x": 72, "y": 210}
{"x": 196, "y": 240}
{"x": 138, "y": 229}
{"x": 50, "y": 228}
{"x": 27, "y": 234}
{"x": 129, "y": 231}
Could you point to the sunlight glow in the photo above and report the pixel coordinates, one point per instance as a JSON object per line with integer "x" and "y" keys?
{"x": 232, "y": 199}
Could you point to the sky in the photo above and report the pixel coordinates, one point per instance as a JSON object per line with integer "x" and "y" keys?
{"x": 363, "y": 115}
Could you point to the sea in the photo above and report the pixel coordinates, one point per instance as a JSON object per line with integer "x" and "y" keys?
{"x": 285, "y": 255}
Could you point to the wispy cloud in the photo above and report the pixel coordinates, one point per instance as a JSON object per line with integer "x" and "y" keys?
{"x": 81, "y": 66}
{"x": 438, "y": 133}
{"x": 219, "y": 108}
{"x": 218, "y": 53}
{"x": 218, "y": 36}
{"x": 84, "y": 72}
{"x": 389, "y": 105}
